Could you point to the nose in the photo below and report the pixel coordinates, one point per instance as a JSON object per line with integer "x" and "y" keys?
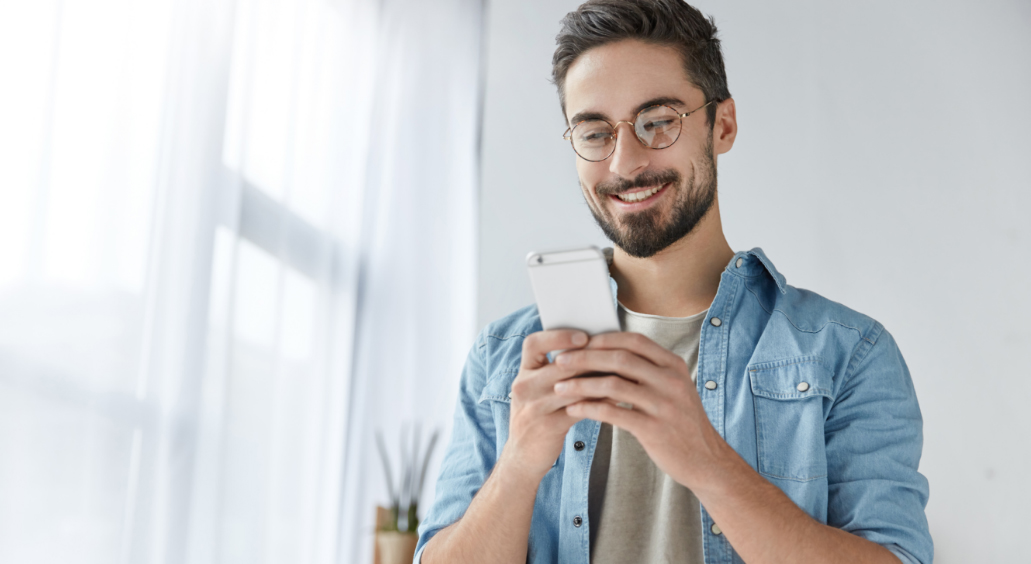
{"x": 630, "y": 155}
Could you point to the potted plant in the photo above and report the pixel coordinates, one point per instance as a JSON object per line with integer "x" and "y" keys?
{"x": 397, "y": 535}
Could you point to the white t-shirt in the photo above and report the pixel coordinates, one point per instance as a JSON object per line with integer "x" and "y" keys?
{"x": 636, "y": 512}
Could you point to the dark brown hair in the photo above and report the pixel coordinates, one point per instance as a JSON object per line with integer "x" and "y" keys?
{"x": 673, "y": 23}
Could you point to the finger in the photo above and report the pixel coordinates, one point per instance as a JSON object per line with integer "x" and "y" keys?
{"x": 612, "y": 388}
{"x": 532, "y": 384}
{"x": 636, "y": 343}
{"x": 630, "y": 419}
{"x": 537, "y": 345}
{"x": 614, "y": 361}
{"x": 554, "y": 401}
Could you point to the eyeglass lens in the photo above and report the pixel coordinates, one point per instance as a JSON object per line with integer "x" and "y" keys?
{"x": 657, "y": 127}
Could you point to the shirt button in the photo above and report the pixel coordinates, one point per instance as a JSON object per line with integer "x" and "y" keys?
{"x": 716, "y": 530}
{"x": 739, "y": 262}
{"x": 803, "y": 386}
{"x": 578, "y": 445}
{"x": 577, "y": 521}
{"x": 710, "y": 385}
{"x": 715, "y": 322}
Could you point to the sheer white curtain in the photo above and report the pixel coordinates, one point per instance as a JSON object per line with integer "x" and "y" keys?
{"x": 236, "y": 237}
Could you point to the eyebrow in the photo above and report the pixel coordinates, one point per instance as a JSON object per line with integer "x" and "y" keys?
{"x": 661, "y": 101}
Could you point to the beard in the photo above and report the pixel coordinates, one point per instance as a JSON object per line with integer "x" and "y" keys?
{"x": 642, "y": 234}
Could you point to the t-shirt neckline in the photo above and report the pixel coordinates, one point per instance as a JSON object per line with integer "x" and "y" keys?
{"x": 689, "y": 319}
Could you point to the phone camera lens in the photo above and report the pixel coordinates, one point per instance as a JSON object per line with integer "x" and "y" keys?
{"x": 540, "y": 259}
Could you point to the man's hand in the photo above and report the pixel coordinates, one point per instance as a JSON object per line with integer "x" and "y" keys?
{"x": 538, "y": 421}
{"x": 667, "y": 416}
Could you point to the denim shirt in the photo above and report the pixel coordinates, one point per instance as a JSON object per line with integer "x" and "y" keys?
{"x": 814, "y": 396}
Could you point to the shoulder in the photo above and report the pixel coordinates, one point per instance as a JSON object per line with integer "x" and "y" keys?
{"x": 500, "y": 343}
{"x": 516, "y": 325}
{"x": 793, "y": 310}
{"x": 798, "y": 310}
{"x": 797, "y": 326}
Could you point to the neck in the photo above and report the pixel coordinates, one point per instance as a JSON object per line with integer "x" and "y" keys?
{"x": 682, "y": 279}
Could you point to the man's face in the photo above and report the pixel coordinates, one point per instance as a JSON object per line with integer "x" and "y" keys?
{"x": 615, "y": 81}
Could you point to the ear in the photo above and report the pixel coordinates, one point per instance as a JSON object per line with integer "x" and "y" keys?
{"x": 725, "y": 130}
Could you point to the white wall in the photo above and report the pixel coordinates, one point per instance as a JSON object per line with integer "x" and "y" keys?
{"x": 884, "y": 161}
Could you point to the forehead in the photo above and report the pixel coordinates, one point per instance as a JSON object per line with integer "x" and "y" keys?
{"x": 614, "y": 78}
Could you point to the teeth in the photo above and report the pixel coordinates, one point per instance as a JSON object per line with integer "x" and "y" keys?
{"x": 638, "y": 196}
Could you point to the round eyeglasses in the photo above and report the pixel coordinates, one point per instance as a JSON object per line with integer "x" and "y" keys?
{"x": 656, "y": 127}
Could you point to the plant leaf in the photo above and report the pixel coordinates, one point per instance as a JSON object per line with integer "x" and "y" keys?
{"x": 413, "y": 478}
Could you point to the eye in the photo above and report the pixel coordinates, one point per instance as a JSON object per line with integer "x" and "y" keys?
{"x": 659, "y": 124}
{"x": 593, "y": 133}
{"x": 596, "y": 136}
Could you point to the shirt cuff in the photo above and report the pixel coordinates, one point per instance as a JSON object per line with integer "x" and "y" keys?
{"x": 895, "y": 549}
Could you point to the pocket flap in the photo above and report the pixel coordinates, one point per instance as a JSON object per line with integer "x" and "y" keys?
{"x": 793, "y": 378}
{"x": 498, "y": 388}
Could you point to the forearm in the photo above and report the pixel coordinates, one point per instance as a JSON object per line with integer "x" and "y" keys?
{"x": 496, "y": 525}
{"x": 765, "y": 527}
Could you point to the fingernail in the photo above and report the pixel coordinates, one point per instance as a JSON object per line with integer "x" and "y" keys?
{"x": 561, "y": 359}
{"x": 561, "y": 387}
{"x": 580, "y": 339}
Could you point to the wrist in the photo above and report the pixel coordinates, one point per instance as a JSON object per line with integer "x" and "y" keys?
{"x": 721, "y": 472}
{"x": 514, "y": 473}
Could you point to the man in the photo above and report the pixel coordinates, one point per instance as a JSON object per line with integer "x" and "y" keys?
{"x": 756, "y": 423}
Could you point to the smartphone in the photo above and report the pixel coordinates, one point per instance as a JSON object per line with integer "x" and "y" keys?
{"x": 572, "y": 290}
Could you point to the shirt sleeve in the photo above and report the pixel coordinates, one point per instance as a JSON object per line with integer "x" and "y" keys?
{"x": 874, "y": 436}
{"x": 469, "y": 457}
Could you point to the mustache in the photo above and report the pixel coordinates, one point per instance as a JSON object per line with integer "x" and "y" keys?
{"x": 644, "y": 180}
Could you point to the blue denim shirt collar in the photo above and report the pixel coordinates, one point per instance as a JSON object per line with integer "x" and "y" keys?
{"x": 752, "y": 269}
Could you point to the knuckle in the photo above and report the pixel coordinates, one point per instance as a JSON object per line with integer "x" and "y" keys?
{"x": 680, "y": 364}
{"x": 518, "y": 388}
{"x": 622, "y": 359}
{"x": 684, "y": 385}
{"x": 677, "y": 387}
{"x": 610, "y": 384}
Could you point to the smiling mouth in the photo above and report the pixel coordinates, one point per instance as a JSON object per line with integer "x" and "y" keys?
{"x": 640, "y": 195}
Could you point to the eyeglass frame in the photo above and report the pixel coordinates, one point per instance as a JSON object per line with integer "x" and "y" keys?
{"x": 568, "y": 134}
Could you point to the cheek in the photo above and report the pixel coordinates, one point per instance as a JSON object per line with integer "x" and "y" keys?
{"x": 684, "y": 160}
{"x": 679, "y": 156}
{"x": 694, "y": 150}
{"x": 589, "y": 175}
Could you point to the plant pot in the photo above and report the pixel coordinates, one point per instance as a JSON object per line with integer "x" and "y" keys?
{"x": 396, "y": 547}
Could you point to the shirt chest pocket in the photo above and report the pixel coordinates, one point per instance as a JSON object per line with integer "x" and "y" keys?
{"x": 790, "y": 398}
{"x": 495, "y": 395}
